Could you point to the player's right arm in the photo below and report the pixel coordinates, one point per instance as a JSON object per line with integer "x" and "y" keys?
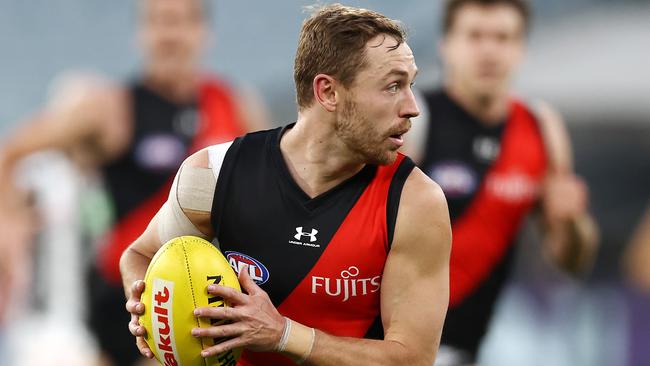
{"x": 172, "y": 220}
{"x": 570, "y": 232}
{"x": 133, "y": 265}
{"x": 85, "y": 116}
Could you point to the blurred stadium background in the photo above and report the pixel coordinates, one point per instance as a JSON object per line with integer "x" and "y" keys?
{"x": 590, "y": 58}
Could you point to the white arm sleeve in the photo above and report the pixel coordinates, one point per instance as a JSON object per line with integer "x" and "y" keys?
{"x": 193, "y": 189}
{"x": 216, "y": 154}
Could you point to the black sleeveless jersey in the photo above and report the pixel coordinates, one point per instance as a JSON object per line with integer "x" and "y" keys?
{"x": 162, "y": 135}
{"x": 459, "y": 150}
{"x": 491, "y": 177}
{"x": 320, "y": 259}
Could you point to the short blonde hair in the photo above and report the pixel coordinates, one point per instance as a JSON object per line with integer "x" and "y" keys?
{"x": 332, "y": 41}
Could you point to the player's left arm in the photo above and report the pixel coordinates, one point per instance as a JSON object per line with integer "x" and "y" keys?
{"x": 414, "y": 297}
{"x": 414, "y": 288}
{"x": 570, "y": 232}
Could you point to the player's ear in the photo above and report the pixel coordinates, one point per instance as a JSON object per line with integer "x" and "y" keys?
{"x": 325, "y": 91}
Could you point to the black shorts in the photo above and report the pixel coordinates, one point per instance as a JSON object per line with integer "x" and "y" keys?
{"x": 108, "y": 319}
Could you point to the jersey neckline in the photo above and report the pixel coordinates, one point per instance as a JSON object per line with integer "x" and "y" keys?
{"x": 141, "y": 85}
{"x": 471, "y": 119}
{"x": 359, "y": 180}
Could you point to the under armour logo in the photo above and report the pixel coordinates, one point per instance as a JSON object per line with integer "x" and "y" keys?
{"x": 300, "y": 233}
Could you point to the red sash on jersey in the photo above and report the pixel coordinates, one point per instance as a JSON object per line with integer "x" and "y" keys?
{"x": 362, "y": 242}
{"x": 219, "y": 122}
{"x": 509, "y": 190}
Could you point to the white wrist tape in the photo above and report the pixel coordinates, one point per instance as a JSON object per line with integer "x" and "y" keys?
{"x": 285, "y": 335}
{"x": 297, "y": 341}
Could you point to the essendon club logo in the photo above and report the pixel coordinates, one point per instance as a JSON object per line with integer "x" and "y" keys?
{"x": 162, "y": 321}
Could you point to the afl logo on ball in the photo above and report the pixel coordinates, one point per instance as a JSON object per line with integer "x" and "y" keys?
{"x": 256, "y": 269}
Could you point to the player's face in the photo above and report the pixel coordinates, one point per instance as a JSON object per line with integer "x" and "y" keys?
{"x": 483, "y": 48}
{"x": 376, "y": 109}
{"x": 172, "y": 34}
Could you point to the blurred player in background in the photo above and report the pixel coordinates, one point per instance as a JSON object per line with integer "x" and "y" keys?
{"x": 137, "y": 135}
{"x": 496, "y": 160}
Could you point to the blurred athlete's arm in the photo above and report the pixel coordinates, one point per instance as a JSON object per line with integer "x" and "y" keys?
{"x": 80, "y": 119}
{"x": 86, "y": 118}
{"x": 571, "y": 235}
{"x": 414, "y": 297}
{"x": 636, "y": 259}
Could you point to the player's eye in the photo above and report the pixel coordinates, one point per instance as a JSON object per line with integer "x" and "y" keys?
{"x": 393, "y": 88}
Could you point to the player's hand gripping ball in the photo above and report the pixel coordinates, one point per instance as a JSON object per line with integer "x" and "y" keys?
{"x": 175, "y": 284}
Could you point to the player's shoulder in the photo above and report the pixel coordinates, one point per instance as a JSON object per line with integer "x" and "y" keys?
{"x": 199, "y": 159}
{"x": 213, "y": 156}
{"x": 543, "y": 111}
{"x": 423, "y": 197}
{"x": 75, "y": 88}
{"x": 554, "y": 134}
{"x": 259, "y": 141}
{"x": 423, "y": 222}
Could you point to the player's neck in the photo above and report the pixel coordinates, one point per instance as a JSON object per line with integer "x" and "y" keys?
{"x": 317, "y": 159}
{"x": 489, "y": 109}
{"x": 179, "y": 88}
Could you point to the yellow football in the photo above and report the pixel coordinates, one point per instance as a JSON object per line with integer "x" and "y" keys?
{"x": 176, "y": 284}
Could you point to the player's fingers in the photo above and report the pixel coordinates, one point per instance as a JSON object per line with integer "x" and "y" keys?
{"x": 221, "y": 331}
{"x": 136, "y": 329}
{"x": 247, "y": 282}
{"x": 136, "y": 289}
{"x": 134, "y": 307}
{"x": 231, "y": 295}
{"x": 223, "y": 347}
{"x": 143, "y": 347}
{"x": 226, "y": 313}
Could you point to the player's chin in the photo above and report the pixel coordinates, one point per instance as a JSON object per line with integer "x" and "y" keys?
{"x": 488, "y": 86}
{"x": 386, "y": 157}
